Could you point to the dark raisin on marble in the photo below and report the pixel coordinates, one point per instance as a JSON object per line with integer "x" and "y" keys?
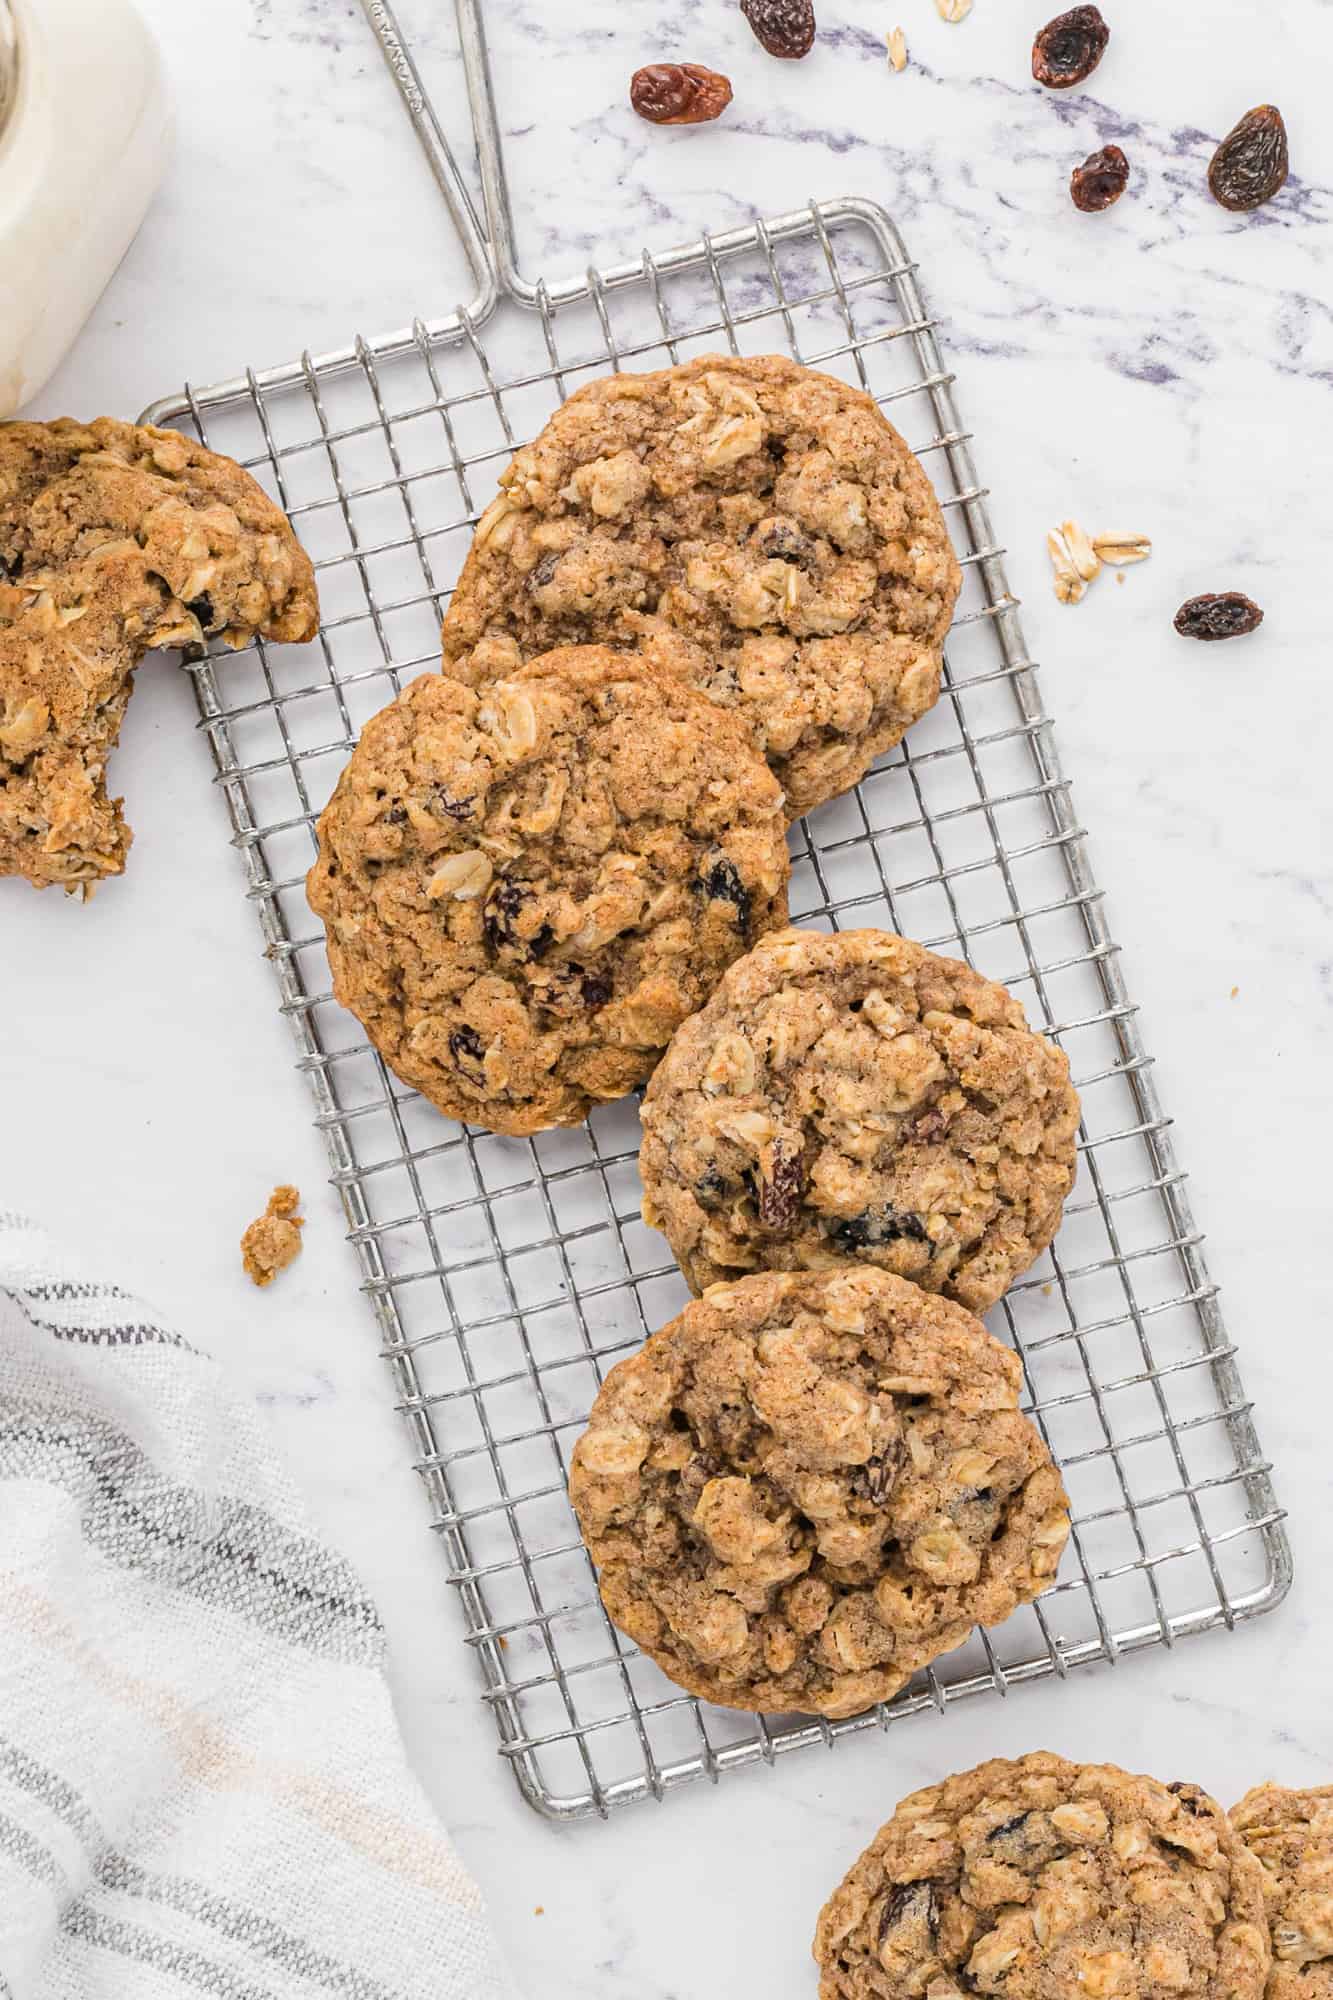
{"x": 201, "y": 607}
{"x": 875, "y": 1227}
{"x": 679, "y": 93}
{"x": 1101, "y": 180}
{"x": 1068, "y": 49}
{"x": 466, "y": 1048}
{"x": 780, "y": 1191}
{"x": 499, "y": 919}
{"x": 783, "y": 540}
{"x": 439, "y": 801}
{"x": 722, "y": 884}
{"x": 1220, "y": 614}
{"x": 1252, "y": 162}
{"x": 785, "y": 28}
{"x": 909, "y": 1903}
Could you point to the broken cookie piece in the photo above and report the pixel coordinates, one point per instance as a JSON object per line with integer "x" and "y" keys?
{"x": 115, "y": 538}
{"x": 273, "y": 1242}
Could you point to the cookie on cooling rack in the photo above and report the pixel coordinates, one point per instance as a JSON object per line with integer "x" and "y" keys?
{"x": 1290, "y": 1833}
{"x": 811, "y": 1484}
{"x": 1040, "y": 1879}
{"x": 851, "y": 1095}
{"x": 115, "y": 538}
{"x": 758, "y": 526}
{"x": 527, "y": 888}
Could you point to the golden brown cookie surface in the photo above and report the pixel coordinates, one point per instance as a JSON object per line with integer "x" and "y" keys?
{"x": 852, "y": 1095}
{"x": 1290, "y": 1833}
{"x": 115, "y": 538}
{"x": 809, "y": 1485}
{"x": 526, "y": 888}
{"x": 1039, "y": 1879}
{"x": 757, "y": 526}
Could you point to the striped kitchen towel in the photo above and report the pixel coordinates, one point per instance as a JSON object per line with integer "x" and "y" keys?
{"x": 202, "y": 1788}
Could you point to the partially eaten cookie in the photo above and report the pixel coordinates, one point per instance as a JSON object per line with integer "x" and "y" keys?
{"x": 115, "y": 538}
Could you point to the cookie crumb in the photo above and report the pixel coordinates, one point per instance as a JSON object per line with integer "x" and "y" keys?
{"x": 1234, "y": 991}
{"x": 897, "y": 47}
{"x": 273, "y": 1242}
{"x": 540, "y": 1910}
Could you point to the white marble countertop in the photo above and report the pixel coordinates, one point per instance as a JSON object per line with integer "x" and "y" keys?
{"x": 1165, "y": 368}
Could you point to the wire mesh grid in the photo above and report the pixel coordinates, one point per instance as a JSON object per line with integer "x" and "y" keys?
{"x": 507, "y": 1275}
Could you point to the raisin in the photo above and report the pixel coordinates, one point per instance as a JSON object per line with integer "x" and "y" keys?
{"x": 11, "y": 566}
{"x": 1101, "y": 179}
{"x": 504, "y": 905}
{"x": 1222, "y": 614}
{"x": 780, "y": 1191}
{"x": 722, "y": 884}
{"x": 882, "y": 1472}
{"x": 1251, "y": 163}
{"x": 710, "y": 1190}
{"x": 396, "y": 816}
{"x": 678, "y": 93}
{"x": 439, "y": 801}
{"x": 875, "y": 1227}
{"x": 927, "y": 1126}
{"x": 465, "y": 1046}
{"x": 594, "y": 989}
{"x": 910, "y": 1902}
{"x": 786, "y": 28}
{"x": 1068, "y": 49}
{"x": 781, "y": 539}
{"x": 202, "y": 609}
{"x": 541, "y": 573}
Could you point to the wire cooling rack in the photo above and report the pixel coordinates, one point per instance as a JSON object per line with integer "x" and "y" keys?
{"x": 507, "y": 1275}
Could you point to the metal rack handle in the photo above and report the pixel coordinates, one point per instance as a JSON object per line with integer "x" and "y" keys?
{"x": 439, "y": 154}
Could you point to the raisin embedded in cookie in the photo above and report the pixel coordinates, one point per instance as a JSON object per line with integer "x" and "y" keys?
{"x": 1040, "y": 1879}
{"x": 115, "y": 538}
{"x": 853, "y": 1095}
{"x": 1290, "y": 1833}
{"x": 809, "y": 1485}
{"x": 528, "y": 887}
{"x": 759, "y": 527}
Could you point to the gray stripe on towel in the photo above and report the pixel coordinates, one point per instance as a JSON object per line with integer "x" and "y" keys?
{"x": 27, "y": 1850}
{"x": 130, "y": 1941}
{"x": 229, "y": 1919}
{"x": 220, "y": 1550}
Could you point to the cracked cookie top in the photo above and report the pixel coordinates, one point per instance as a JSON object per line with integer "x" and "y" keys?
{"x": 757, "y": 526}
{"x": 526, "y": 888}
{"x": 809, "y": 1485}
{"x": 853, "y": 1095}
{"x": 1290, "y": 1833}
{"x": 115, "y": 538}
{"x": 1044, "y": 1880}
